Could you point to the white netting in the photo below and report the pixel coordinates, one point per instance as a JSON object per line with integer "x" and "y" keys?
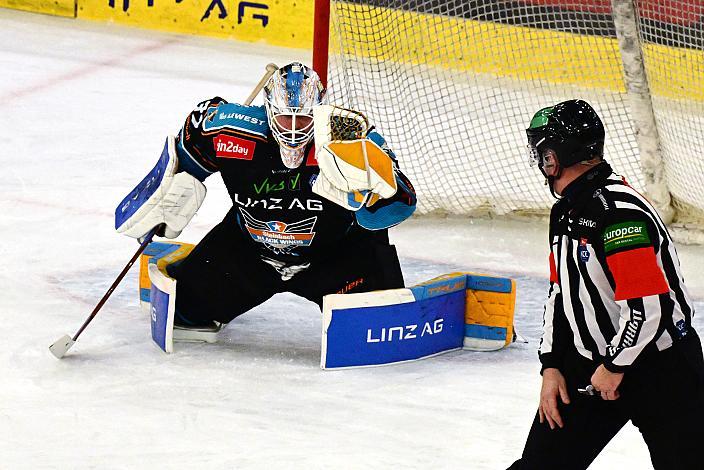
{"x": 672, "y": 34}
{"x": 453, "y": 84}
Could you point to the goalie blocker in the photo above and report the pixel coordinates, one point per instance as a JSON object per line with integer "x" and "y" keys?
{"x": 451, "y": 312}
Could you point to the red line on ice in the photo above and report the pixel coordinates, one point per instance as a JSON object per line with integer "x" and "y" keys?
{"x": 83, "y": 71}
{"x": 63, "y": 207}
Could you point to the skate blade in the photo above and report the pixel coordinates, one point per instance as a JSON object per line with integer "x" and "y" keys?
{"x": 195, "y": 336}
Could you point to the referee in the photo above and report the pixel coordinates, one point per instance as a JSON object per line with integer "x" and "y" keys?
{"x": 618, "y": 319}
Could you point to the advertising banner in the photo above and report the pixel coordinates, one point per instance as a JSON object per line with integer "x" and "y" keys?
{"x": 286, "y": 23}
{"x": 48, "y": 7}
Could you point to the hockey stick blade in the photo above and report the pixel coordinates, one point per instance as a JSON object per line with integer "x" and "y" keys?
{"x": 61, "y": 346}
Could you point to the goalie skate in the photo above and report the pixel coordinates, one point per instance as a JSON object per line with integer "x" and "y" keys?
{"x": 207, "y": 333}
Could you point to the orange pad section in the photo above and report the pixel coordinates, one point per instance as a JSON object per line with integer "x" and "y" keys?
{"x": 492, "y": 309}
{"x": 162, "y": 253}
{"x": 352, "y": 153}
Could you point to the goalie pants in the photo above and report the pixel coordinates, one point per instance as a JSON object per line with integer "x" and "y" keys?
{"x": 663, "y": 396}
{"x": 223, "y": 277}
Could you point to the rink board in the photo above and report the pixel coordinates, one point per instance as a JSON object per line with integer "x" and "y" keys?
{"x": 66, "y": 8}
{"x": 594, "y": 60}
{"x": 287, "y": 23}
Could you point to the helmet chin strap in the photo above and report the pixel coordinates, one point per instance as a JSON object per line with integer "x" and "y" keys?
{"x": 550, "y": 180}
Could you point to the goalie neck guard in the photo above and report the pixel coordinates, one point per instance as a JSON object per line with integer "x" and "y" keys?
{"x": 289, "y": 97}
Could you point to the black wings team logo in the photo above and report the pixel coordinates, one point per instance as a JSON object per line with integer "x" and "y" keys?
{"x": 278, "y": 236}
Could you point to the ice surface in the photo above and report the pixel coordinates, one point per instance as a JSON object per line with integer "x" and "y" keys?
{"x": 84, "y": 109}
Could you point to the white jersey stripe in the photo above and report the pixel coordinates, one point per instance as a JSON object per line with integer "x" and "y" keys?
{"x": 589, "y": 311}
{"x": 547, "y": 339}
{"x": 565, "y": 280}
{"x": 606, "y": 293}
{"x": 622, "y": 188}
{"x": 636, "y": 333}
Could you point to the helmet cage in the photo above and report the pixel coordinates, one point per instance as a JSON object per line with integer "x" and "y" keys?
{"x": 296, "y": 135}
{"x": 538, "y": 145}
{"x": 289, "y": 97}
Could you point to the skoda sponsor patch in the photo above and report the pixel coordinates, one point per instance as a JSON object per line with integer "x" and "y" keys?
{"x": 624, "y": 235}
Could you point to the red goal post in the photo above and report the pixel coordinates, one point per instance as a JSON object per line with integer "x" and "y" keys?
{"x": 321, "y": 39}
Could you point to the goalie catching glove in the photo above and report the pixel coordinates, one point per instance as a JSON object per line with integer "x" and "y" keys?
{"x": 162, "y": 197}
{"x": 354, "y": 170}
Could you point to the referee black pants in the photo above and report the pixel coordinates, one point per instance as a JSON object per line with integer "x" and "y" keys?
{"x": 663, "y": 396}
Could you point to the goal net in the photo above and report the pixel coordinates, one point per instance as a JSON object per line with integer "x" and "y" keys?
{"x": 453, "y": 84}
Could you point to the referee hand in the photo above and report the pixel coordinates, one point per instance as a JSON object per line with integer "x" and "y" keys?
{"x": 554, "y": 385}
{"x": 607, "y": 382}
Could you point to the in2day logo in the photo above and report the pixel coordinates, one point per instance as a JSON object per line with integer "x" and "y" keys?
{"x": 227, "y": 146}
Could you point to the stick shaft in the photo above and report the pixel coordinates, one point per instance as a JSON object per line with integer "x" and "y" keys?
{"x": 117, "y": 281}
{"x": 270, "y": 69}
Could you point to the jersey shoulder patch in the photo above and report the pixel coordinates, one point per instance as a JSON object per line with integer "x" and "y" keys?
{"x": 250, "y": 120}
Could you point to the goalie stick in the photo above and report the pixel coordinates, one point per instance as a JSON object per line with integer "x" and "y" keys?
{"x": 60, "y": 347}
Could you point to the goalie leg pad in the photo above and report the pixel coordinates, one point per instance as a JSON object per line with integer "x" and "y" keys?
{"x": 163, "y": 315}
{"x": 389, "y": 326}
{"x": 488, "y": 307}
{"x": 458, "y": 310}
{"x": 162, "y": 298}
{"x": 489, "y": 312}
{"x": 154, "y": 252}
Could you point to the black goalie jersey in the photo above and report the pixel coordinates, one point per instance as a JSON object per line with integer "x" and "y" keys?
{"x": 274, "y": 207}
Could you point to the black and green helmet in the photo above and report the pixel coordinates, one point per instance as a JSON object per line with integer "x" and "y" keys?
{"x": 571, "y": 128}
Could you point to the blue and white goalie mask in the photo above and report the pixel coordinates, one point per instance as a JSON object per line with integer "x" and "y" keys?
{"x": 289, "y": 97}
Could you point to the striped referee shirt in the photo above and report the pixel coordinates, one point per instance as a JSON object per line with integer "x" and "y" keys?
{"x": 616, "y": 289}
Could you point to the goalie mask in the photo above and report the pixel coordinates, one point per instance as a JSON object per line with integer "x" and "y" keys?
{"x": 289, "y": 97}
